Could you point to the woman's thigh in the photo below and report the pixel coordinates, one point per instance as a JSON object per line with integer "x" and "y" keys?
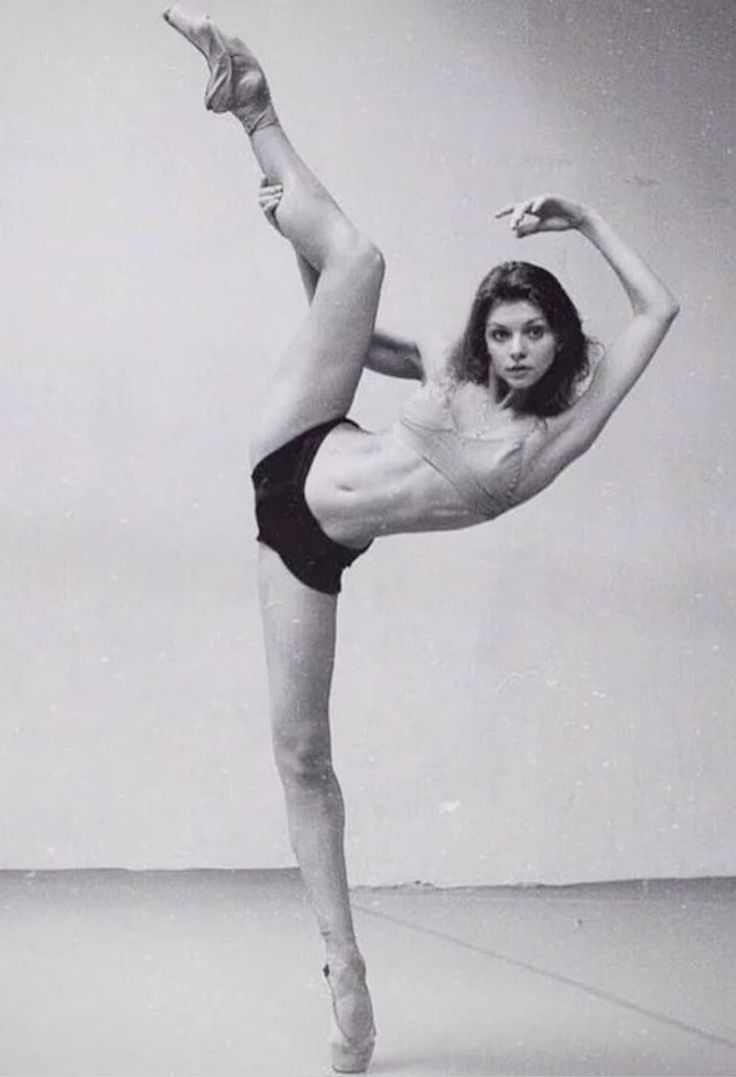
{"x": 317, "y": 377}
{"x": 299, "y": 635}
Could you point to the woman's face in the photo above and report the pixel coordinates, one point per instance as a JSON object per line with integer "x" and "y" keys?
{"x": 520, "y": 343}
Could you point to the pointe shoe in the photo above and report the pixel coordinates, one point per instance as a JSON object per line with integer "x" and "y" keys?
{"x": 350, "y": 1053}
{"x": 237, "y": 83}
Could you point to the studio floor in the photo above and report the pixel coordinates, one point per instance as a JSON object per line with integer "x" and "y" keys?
{"x": 217, "y": 973}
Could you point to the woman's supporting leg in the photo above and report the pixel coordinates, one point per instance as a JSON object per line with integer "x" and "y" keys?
{"x": 300, "y": 647}
{"x": 299, "y": 632}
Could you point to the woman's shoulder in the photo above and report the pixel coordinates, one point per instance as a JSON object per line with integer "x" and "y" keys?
{"x": 430, "y": 403}
{"x": 434, "y": 353}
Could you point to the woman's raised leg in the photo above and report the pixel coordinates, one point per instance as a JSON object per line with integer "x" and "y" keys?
{"x": 317, "y": 377}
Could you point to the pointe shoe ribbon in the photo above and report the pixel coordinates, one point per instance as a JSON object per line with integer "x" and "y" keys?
{"x": 237, "y": 83}
{"x": 348, "y": 1055}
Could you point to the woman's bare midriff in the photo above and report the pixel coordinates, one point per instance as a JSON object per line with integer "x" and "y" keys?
{"x": 362, "y": 485}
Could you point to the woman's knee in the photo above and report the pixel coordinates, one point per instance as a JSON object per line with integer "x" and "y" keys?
{"x": 302, "y": 756}
{"x": 369, "y": 258}
{"x": 357, "y": 272}
{"x": 352, "y": 248}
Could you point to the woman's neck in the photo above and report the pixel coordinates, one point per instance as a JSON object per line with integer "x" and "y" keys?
{"x": 505, "y": 398}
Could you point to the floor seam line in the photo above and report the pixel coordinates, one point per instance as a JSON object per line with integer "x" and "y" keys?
{"x": 596, "y": 992}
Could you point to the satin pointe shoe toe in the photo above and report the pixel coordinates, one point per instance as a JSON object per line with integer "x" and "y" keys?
{"x": 353, "y": 1032}
{"x": 237, "y": 83}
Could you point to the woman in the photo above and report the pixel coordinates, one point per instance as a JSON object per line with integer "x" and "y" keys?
{"x": 488, "y": 428}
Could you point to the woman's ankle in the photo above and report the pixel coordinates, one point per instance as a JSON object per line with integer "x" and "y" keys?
{"x": 251, "y": 125}
{"x": 342, "y": 954}
{"x": 266, "y": 121}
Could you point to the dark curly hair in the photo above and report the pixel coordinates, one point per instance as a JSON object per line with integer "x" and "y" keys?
{"x": 469, "y": 359}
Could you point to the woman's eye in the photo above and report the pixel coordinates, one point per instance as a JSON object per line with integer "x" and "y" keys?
{"x": 498, "y": 335}
{"x": 536, "y": 332}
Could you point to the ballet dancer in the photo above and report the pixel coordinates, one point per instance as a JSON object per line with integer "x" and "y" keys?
{"x": 490, "y": 425}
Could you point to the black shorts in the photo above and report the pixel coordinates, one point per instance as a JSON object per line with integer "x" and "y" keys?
{"x": 285, "y": 522}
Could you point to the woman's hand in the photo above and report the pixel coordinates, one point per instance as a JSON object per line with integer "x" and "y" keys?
{"x": 269, "y": 198}
{"x": 545, "y": 213}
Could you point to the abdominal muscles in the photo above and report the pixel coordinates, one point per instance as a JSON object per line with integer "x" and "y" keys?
{"x": 362, "y": 486}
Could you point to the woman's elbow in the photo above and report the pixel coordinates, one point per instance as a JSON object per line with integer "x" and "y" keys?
{"x": 667, "y": 309}
{"x": 673, "y": 309}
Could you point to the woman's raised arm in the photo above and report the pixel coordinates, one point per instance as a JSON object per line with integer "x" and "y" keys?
{"x": 653, "y": 310}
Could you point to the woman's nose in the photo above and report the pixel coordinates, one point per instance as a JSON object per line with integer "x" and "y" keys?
{"x": 517, "y": 347}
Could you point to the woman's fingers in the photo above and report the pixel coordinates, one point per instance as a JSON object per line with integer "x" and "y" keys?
{"x": 269, "y": 198}
{"x": 269, "y": 190}
{"x": 520, "y": 212}
{"x": 523, "y": 219}
{"x": 543, "y": 213}
{"x": 528, "y": 224}
{"x": 269, "y": 207}
{"x": 538, "y": 204}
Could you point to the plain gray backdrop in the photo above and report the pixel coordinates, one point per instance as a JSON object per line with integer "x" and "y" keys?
{"x": 548, "y": 698}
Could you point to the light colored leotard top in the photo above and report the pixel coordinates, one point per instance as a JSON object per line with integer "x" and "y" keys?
{"x": 485, "y": 467}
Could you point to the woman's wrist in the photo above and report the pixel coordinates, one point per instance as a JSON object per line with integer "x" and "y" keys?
{"x": 590, "y": 222}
